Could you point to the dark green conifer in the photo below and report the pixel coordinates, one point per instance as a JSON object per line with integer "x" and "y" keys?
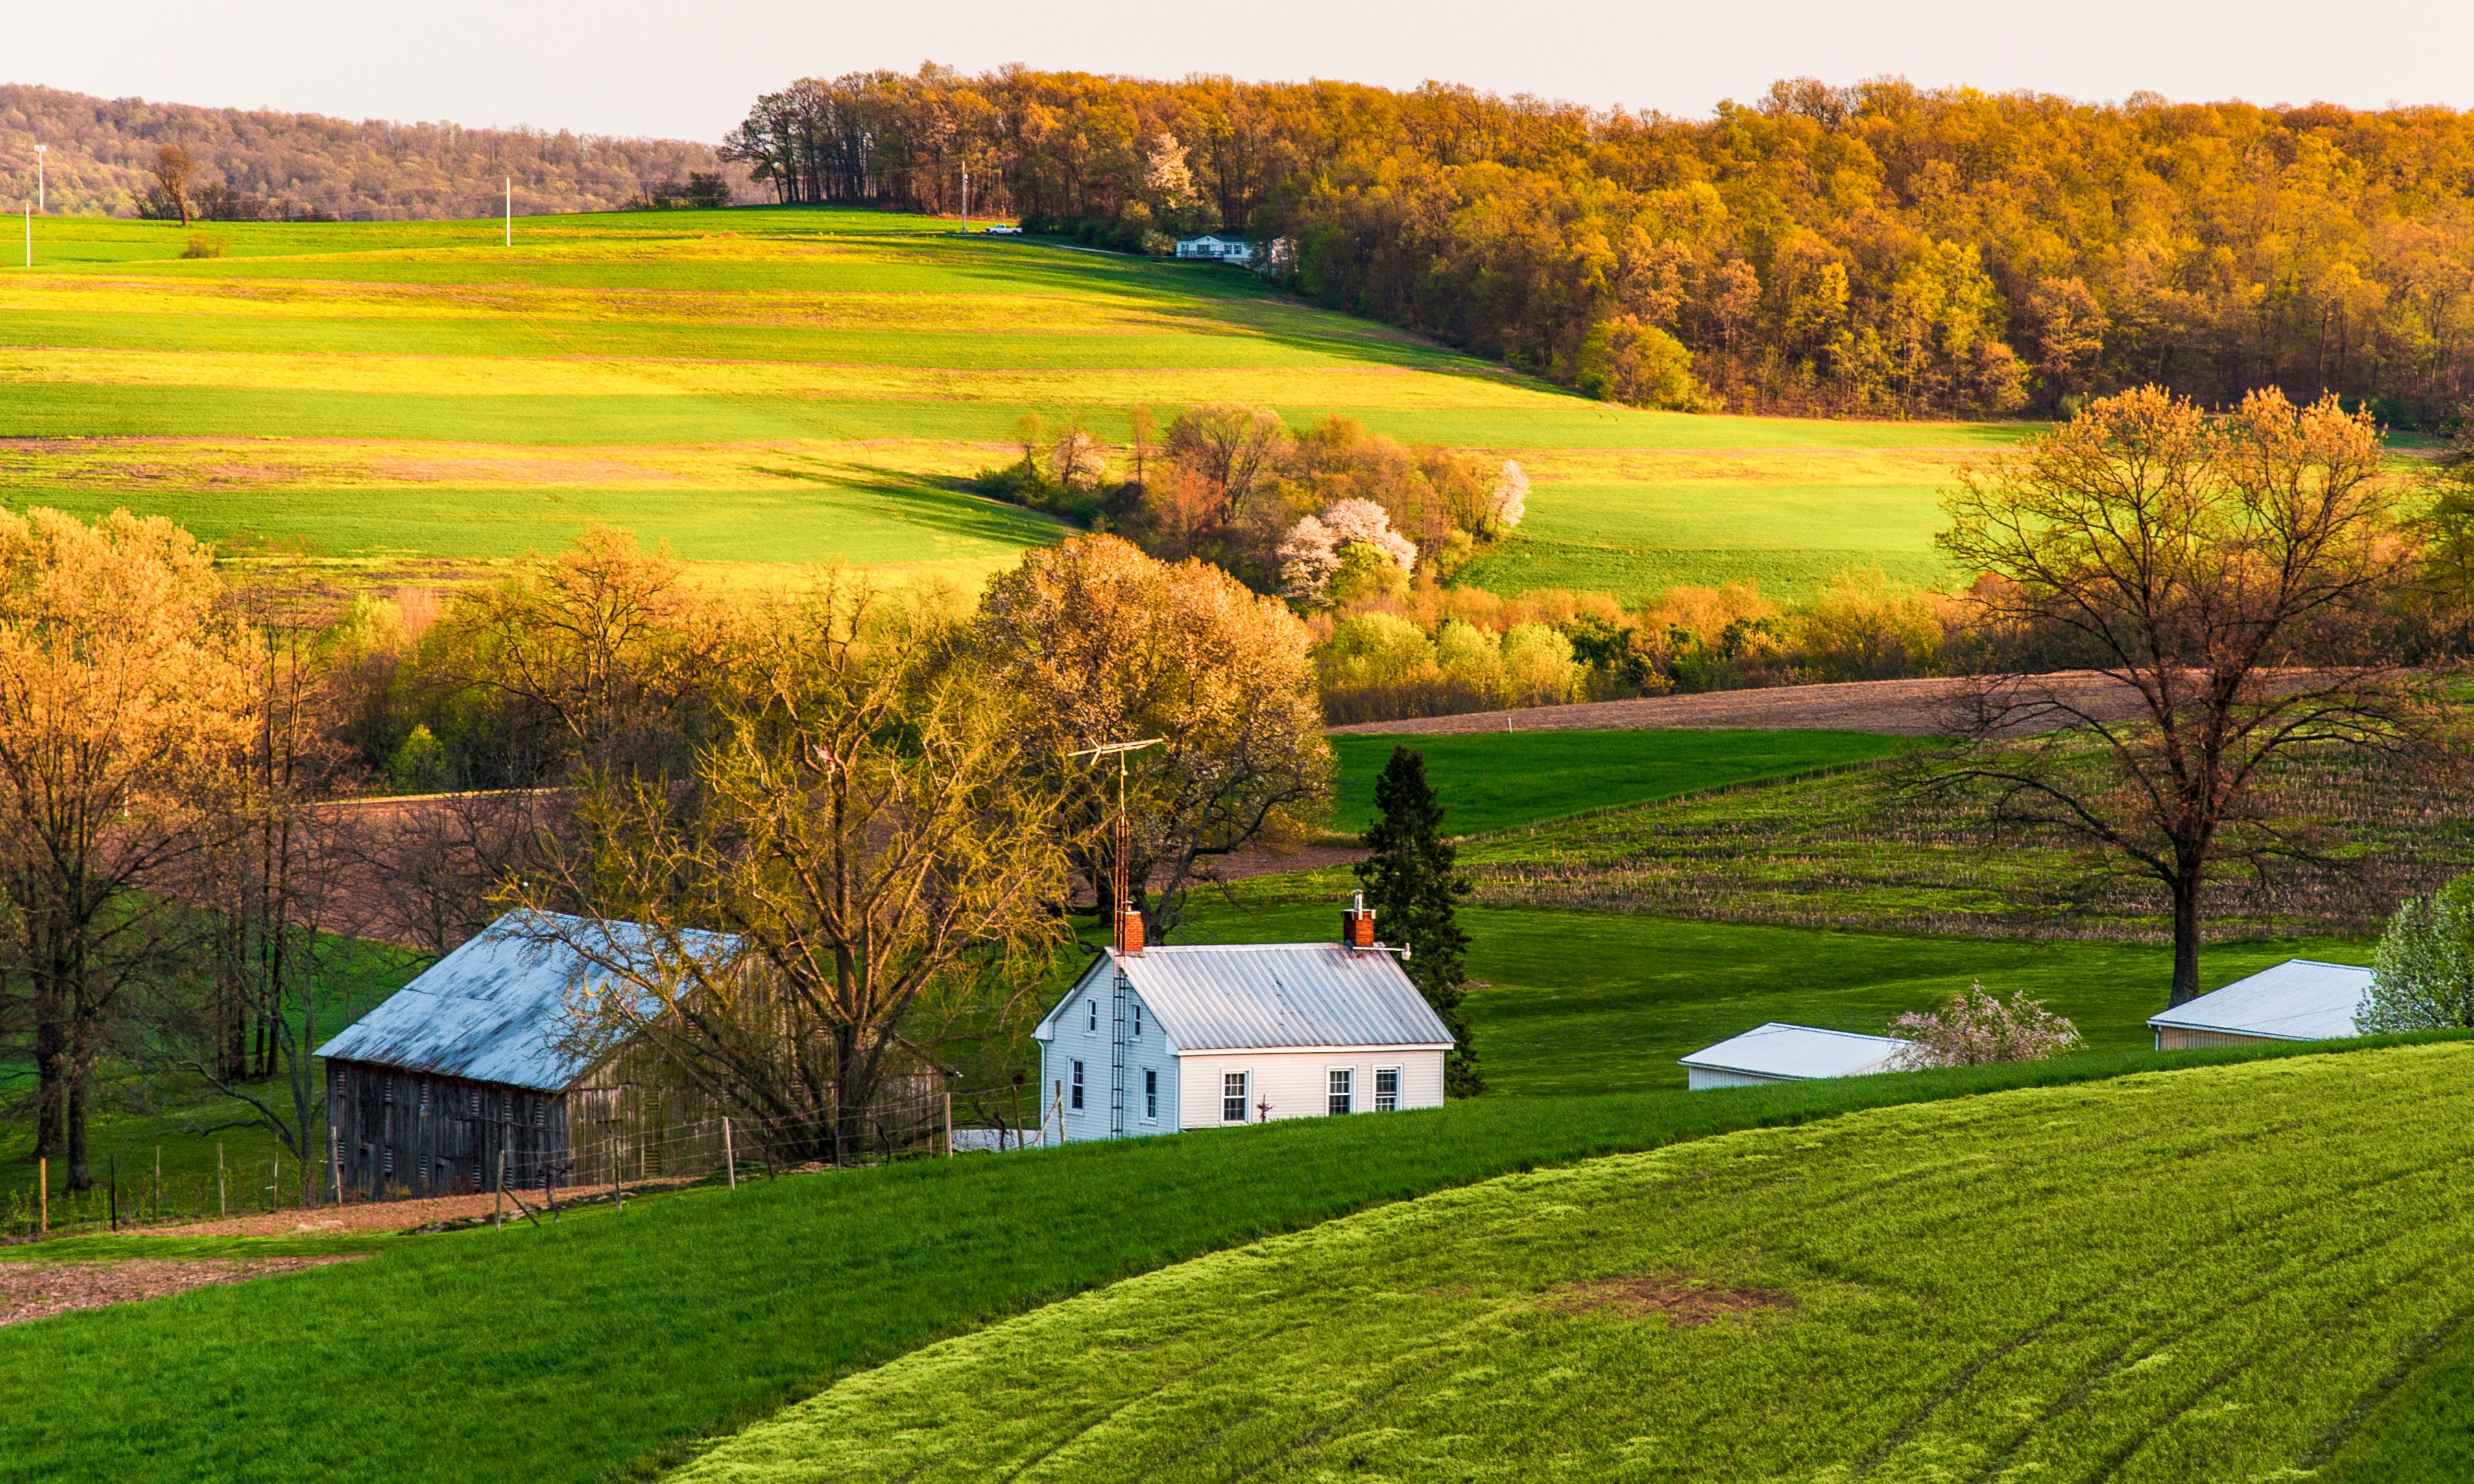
{"x": 1411, "y": 884}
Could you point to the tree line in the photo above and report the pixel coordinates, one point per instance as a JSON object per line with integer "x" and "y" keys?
{"x": 1880, "y": 249}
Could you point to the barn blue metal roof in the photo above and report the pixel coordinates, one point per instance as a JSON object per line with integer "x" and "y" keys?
{"x": 1272, "y": 996}
{"x": 2300, "y": 1000}
{"x": 496, "y": 1009}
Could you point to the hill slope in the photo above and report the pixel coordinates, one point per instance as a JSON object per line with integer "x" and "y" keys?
{"x": 2206, "y": 1275}
{"x": 773, "y": 385}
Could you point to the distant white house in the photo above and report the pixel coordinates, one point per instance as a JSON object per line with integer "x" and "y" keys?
{"x": 1166, "y": 1039}
{"x": 1215, "y": 249}
{"x": 2300, "y": 1000}
{"x": 1777, "y": 1052}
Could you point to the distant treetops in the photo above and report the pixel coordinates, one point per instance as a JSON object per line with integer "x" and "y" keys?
{"x": 1873, "y": 249}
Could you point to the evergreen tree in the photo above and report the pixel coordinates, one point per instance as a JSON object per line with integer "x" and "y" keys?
{"x": 1411, "y": 884}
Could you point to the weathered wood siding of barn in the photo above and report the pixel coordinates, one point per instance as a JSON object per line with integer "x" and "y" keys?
{"x": 406, "y": 1135}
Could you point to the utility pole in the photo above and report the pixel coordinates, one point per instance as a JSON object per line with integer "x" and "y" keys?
{"x": 966, "y": 198}
{"x": 30, "y": 235}
{"x": 39, "y": 151}
{"x": 511, "y": 210}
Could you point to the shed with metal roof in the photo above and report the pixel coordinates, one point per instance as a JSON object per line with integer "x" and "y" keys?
{"x": 2300, "y": 1000}
{"x": 1782, "y": 1052}
{"x": 1167, "y": 1038}
{"x": 481, "y": 1058}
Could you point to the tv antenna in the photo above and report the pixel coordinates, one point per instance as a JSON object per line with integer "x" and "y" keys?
{"x": 1118, "y": 887}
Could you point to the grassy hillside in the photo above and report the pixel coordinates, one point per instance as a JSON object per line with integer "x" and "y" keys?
{"x": 2201, "y": 1275}
{"x": 1489, "y": 783}
{"x": 1572, "y": 1003}
{"x": 767, "y": 386}
{"x": 563, "y": 1353}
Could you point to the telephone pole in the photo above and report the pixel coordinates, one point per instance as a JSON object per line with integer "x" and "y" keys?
{"x": 39, "y": 151}
{"x": 511, "y": 210}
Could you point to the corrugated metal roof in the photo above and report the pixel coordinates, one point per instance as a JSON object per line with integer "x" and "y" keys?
{"x": 2300, "y": 1000}
{"x": 1266, "y": 996}
{"x": 495, "y": 1010}
{"x": 1778, "y": 1049}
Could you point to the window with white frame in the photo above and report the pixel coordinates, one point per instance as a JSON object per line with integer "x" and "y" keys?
{"x": 1150, "y": 1095}
{"x": 1138, "y": 1017}
{"x": 1078, "y": 1084}
{"x": 1232, "y": 1097}
{"x": 1094, "y": 1005}
{"x": 1387, "y": 1090}
{"x": 1342, "y": 1085}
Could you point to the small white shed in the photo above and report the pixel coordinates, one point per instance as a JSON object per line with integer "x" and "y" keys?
{"x": 2300, "y": 1000}
{"x": 1777, "y": 1052}
{"x": 1160, "y": 1040}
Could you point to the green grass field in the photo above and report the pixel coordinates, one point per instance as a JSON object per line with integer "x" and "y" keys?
{"x": 2200, "y": 1275}
{"x": 1490, "y": 783}
{"x": 565, "y": 1353}
{"x": 769, "y": 386}
{"x": 1574, "y": 1004}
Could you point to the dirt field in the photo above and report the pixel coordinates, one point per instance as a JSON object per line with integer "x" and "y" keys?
{"x": 38, "y": 1290}
{"x": 1902, "y": 707}
{"x": 370, "y": 1216}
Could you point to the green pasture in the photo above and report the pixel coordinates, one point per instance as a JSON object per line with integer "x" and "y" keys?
{"x": 565, "y": 1352}
{"x": 1573, "y": 1002}
{"x": 1489, "y": 783}
{"x": 2200, "y": 1275}
{"x": 760, "y": 326}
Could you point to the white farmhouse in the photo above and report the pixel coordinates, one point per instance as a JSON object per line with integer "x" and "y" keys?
{"x": 1214, "y": 249}
{"x": 1166, "y": 1039}
{"x": 2300, "y": 1000}
{"x": 1780, "y": 1053}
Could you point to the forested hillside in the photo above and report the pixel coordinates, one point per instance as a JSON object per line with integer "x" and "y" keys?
{"x": 1876, "y": 249}
{"x": 257, "y": 162}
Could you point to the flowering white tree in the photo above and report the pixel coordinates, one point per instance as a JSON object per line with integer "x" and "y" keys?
{"x": 1974, "y": 1028}
{"x": 1310, "y": 554}
{"x": 2422, "y": 976}
{"x": 1509, "y": 500}
{"x": 1076, "y": 463}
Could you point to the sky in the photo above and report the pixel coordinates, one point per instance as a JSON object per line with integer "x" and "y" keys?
{"x": 689, "y": 71}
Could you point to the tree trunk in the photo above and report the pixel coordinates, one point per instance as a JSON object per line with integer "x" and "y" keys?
{"x": 2186, "y": 937}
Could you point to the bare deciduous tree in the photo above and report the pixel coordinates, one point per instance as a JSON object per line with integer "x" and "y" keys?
{"x": 172, "y": 171}
{"x": 2223, "y": 573}
{"x": 868, "y": 829}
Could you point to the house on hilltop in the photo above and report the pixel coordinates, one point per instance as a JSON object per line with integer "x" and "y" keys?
{"x": 2300, "y": 1000}
{"x": 1215, "y": 249}
{"x": 1165, "y": 1040}
{"x": 1780, "y": 1053}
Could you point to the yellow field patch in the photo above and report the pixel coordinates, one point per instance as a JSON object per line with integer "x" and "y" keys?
{"x": 1380, "y": 388}
{"x": 1732, "y": 467}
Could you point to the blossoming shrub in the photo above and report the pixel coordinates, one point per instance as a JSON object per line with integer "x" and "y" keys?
{"x": 1975, "y": 1027}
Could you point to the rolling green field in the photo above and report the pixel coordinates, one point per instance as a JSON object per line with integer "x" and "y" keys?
{"x": 1489, "y": 783}
{"x": 1572, "y": 1003}
{"x": 2200, "y": 1275}
{"x": 789, "y": 386}
{"x": 568, "y": 1351}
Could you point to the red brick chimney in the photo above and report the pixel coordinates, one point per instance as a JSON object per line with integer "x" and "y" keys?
{"x": 1129, "y": 929}
{"x": 1357, "y": 923}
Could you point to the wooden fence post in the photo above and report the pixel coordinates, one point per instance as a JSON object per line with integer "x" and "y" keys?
{"x": 948, "y": 1126}
{"x": 221, "y": 1212}
{"x": 498, "y": 1217}
{"x": 158, "y": 1182}
{"x": 112, "y": 1169}
{"x": 44, "y": 1225}
{"x": 335, "y": 1160}
{"x": 729, "y": 1152}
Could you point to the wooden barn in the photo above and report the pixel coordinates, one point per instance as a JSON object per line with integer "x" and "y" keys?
{"x": 472, "y": 1062}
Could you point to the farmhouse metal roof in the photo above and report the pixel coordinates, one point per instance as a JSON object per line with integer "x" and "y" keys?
{"x": 1798, "y": 1051}
{"x": 1270, "y": 996}
{"x": 2300, "y": 1000}
{"x": 495, "y": 1010}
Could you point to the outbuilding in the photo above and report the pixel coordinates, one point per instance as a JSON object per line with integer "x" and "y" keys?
{"x": 476, "y": 1058}
{"x": 1171, "y": 1038}
{"x": 1780, "y": 1053}
{"x": 2300, "y": 1000}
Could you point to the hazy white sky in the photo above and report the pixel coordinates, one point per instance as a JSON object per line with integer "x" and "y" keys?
{"x": 632, "y": 66}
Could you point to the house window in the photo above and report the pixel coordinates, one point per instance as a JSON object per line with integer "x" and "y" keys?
{"x": 1341, "y": 1079}
{"x": 1094, "y": 1005}
{"x": 1151, "y": 1094}
{"x": 1387, "y": 1090}
{"x": 1078, "y": 1086}
{"x": 1138, "y": 1017}
{"x": 1232, "y": 1097}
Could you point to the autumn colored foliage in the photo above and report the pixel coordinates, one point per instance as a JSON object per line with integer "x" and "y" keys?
{"x": 1878, "y": 248}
